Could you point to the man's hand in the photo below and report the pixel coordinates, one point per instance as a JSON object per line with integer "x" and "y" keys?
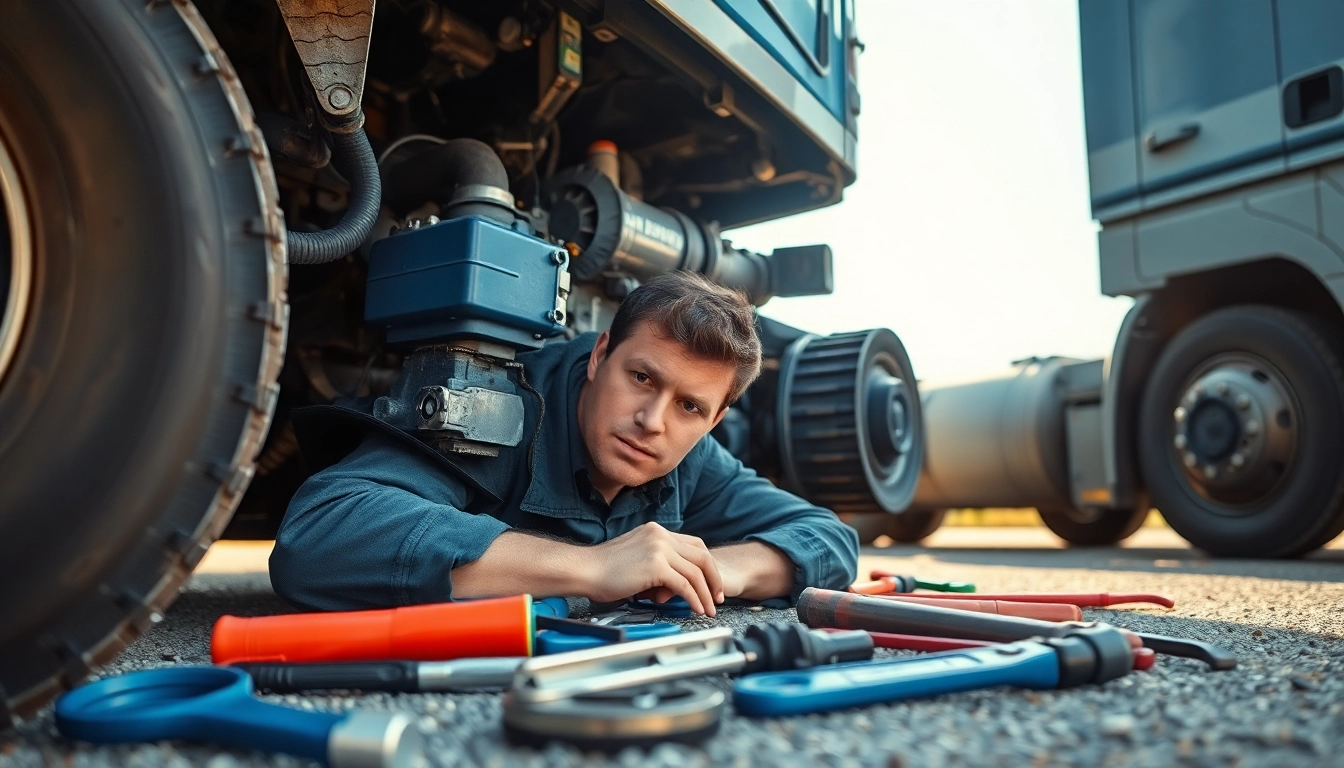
{"x": 657, "y": 563}
{"x": 649, "y": 561}
{"x": 754, "y": 570}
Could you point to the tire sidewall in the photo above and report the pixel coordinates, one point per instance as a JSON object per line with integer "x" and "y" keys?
{"x": 1292, "y": 518}
{"x": 123, "y": 345}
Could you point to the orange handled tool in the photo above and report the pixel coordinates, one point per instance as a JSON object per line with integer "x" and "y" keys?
{"x": 501, "y": 626}
{"x": 1041, "y": 611}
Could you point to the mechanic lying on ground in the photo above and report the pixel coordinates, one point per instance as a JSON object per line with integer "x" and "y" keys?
{"x": 623, "y": 493}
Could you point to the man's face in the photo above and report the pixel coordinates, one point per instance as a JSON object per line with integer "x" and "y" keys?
{"x": 645, "y": 405}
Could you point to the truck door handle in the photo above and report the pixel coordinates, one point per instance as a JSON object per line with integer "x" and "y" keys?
{"x": 1158, "y": 140}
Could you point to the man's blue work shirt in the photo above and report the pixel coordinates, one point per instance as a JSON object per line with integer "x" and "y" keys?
{"x": 387, "y": 525}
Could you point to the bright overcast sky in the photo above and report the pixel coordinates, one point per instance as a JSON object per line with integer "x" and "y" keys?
{"x": 968, "y": 232}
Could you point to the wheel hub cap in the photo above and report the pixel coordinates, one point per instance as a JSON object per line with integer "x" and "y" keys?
{"x": 1235, "y": 429}
{"x": 888, "y": 416}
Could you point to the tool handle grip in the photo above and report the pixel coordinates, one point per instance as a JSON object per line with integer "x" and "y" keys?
{"x": 820, "y": 689}
{"x": 390, "y": 676}
{"x": 1039, "y": 611}
{"x": 825, "y": 608}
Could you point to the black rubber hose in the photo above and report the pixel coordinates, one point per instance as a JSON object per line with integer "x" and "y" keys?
{"x": 431, "y": 174}
{"x": 353, "y": 157}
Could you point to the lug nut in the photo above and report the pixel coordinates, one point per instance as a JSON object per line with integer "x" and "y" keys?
{"x": 1252, "y": 428}
{"x": 1179, "y": 414}
{"x": 1179, "y": 442}
{"x": 1237, "y": 460}
{"x": 1190, "y": 460}
{"x": 1210, "y": 471}
{"x": 1221, "y": 388}
{"x": 1243, "y": 402}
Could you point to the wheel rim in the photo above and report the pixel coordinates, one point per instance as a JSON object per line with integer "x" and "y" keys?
{"x": 16, "y": 259}
{"x": 1235, "y": 430}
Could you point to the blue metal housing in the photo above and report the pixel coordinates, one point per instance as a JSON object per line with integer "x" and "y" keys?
{"x": 465, "y": 278}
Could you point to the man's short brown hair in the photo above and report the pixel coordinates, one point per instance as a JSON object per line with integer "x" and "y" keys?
{"x": 709, "y": 320}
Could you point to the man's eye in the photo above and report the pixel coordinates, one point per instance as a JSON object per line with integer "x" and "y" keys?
{"x": 642, "y": 378}
{"x": 690, "y": 407}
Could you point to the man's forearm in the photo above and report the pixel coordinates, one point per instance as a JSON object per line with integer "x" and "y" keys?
{"x": 517, "y": 563}
{"x": 763, "y": 571}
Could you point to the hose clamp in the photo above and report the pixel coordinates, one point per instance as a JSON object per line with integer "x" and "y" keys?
{"x": 481, "y": 193}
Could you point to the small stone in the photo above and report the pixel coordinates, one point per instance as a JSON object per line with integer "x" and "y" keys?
{"x": 173, "y": 657}
{"x": 1257, "y": 633}
{"x": 1117, "y": 725}
{"x": 1301, "y": 683}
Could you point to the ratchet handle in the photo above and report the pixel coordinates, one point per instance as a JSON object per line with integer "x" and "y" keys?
{"x": 820, "y": 689}
{"x": 390, "y": 676}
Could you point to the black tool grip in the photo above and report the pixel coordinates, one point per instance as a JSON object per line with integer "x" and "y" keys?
{"x": 391, "y": 676}
{"x": 843, "y": 610}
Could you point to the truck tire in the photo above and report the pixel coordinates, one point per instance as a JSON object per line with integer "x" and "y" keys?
{"x": 142, "y": 207}
{"x": 908, "y": 527}
{"x": 1241, "y": 433}
{"x": 869, "y": 525}
{"x": 915, "y": 525}
{"x": 1093, "y": 527}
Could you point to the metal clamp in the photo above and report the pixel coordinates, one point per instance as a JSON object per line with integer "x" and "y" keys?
{"x": 332, "y": 40}
{"x": 627, "y": 665}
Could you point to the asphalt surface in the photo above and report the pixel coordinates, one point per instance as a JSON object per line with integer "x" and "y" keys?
{"x": 1284, "y": 705}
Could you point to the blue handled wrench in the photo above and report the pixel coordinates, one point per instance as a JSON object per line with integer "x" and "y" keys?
{"x": 1088, "y": 655}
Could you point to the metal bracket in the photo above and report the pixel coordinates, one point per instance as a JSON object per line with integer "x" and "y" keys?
{"x": 477, "y": 414}
{"x": 332, "y": 38}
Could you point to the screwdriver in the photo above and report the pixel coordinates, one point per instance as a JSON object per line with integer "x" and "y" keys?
{"x": 885, "y": 582}
{"x": 389, "y": 676}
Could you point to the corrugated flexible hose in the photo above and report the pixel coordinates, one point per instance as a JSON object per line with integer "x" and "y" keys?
{"x": 353, "y": 157}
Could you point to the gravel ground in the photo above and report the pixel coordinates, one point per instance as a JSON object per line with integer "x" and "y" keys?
{"x": 1284, "y": 705}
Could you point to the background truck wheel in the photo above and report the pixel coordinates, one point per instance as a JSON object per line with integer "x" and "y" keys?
{"x": 869, "y": 525}
{"x": 907, "y": 527}
{"x": 914, "y": 525}
{"x": 1241, "y": 433}
{"x": 140, "y": 210}
{"x": 1093, "y": 527}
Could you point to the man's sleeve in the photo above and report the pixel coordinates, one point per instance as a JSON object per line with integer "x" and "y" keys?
{"x": 731, "y": 503}
{"x": 382, "y": 528}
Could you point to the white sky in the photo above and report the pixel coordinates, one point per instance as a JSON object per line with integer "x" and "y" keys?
{"x": 968, "y": 232}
